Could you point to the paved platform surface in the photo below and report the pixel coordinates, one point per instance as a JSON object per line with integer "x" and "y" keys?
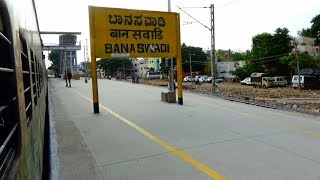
{"x": 137, "y": 137}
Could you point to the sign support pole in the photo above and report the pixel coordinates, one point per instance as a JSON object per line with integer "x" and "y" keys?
{"x": 93, "y": 64}
{"x": 179, "y": 63}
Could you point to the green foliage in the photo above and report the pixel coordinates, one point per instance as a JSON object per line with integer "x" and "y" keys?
{"x": 305, "y": 32}
{"x": 113, "y": 65}
{"x": 54, "y": 57}
{"x": 268, "y": 49}
{"x": 237, "y": 56}
{"x": 243, "y": 72}
{"x": 85, "y": 66}
{"x": 165, "y": 69}
{"x": 305, "y": 61}
{"x": 315, "y": 28}
{"x": 198, "y": 58}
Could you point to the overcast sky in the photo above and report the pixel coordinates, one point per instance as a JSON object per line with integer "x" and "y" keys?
{"x": 236, "y": 21}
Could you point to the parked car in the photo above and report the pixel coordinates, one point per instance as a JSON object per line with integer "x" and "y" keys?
{"x": 204, "y": 79}
{"x": 154, "y": 75}
{"x": 306, "y": 81}
{"x": 246, "y": 81}
{"x": 262, "y": 80}
{"x": 280, "y": 81}
{"x": 218, "y": 80}
{"x": 188, "y": 79}
{"x": 185, "y": 79}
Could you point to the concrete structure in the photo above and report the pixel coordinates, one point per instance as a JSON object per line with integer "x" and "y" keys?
{"x": 142, "y": 65}
{"x": 68, "y": 46}
{"x": 138, "y": 137}
{"x": 225, "y": 68}
{"x": 68, "y": 57}
{"x": 306, "y": 44}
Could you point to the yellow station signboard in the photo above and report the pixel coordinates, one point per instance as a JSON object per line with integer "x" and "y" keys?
{"x": 134, "y": 33}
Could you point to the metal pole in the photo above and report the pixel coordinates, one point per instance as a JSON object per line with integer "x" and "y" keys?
{"x": 212, "y": 51}
{"x": 190, "y": 65}
{"x": 179, "y": 64}
{"x": 124, "y": 72}
{"x": 85, "y": 64}
{"x": 298, "y": 68}
{"x": 65, "y": 62}
{"x": 171, "y": 62}
{"x": 298, "y": 71}
{"x": 95, "y": 94}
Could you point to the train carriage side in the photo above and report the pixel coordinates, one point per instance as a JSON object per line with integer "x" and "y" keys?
{"x": 23, "y": 91}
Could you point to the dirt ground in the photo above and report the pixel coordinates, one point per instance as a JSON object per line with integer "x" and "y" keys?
{"x": 250, "y": 93}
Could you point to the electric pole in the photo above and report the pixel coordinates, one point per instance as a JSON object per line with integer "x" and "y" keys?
{"x": 212, "y": 52}
{"x": 295, "y": 42}
{"x": 190, "y": 65}
{"x": 171, "y": 62}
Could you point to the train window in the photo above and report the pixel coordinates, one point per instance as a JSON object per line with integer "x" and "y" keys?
{"x": 8, "y": 95}
{"x": 26, "y": 79}
{"x": 33, "y": 72}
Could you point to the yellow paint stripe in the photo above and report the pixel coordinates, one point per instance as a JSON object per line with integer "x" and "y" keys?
{"x": 205, "y": 169}
{"x": 269, "y": 121}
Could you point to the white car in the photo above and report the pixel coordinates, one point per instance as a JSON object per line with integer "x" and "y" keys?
{"x": 188, "y": 79}
{"x": 217, "y": 80}
{"x": 280, "y": 81}
{"x": 246, "y": 81}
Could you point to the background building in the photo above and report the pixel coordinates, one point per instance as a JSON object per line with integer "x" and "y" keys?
{"x": 68, "y": 57}
{"x": 306, "y": 44}
{"x": 225, "y": 69}
{"x": 143, "y": 65}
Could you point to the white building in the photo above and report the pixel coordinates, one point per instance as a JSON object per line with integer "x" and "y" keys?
{"x": 225, "y": 68}
{"x": 306, "y": 44}
{"x": 142, "y": 65}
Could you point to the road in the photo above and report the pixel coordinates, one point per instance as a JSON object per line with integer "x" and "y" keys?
{"x": 136, "y": 136}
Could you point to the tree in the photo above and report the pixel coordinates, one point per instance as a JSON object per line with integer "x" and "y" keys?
{"x": 243, "y": 72}
{"x": 267, "y": 49}
{"x": 164, "y": 68}
{"x": 199, "y": 59}
{"x": 114, "y": 65}
{"x": 305, "y": 32}
{"x": 54, "y": 57}
{"x": 305, "y": 61}
{"x": 315, "y": 29}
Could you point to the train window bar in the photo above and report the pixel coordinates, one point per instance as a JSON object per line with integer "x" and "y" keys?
{"x": 14, "y": 98}
{"x": 8, "y": 138}
{"x": 28, "y": 120}
{"x": 27, "y": 89}
{"x": 2, "y": 36}
{"x": 7, "y": 160}
{"x": 2, "y": 108}
{"x": 24, "y": 55}
{"x": 2, "y": 69}
{"x": 29, "y": 105}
